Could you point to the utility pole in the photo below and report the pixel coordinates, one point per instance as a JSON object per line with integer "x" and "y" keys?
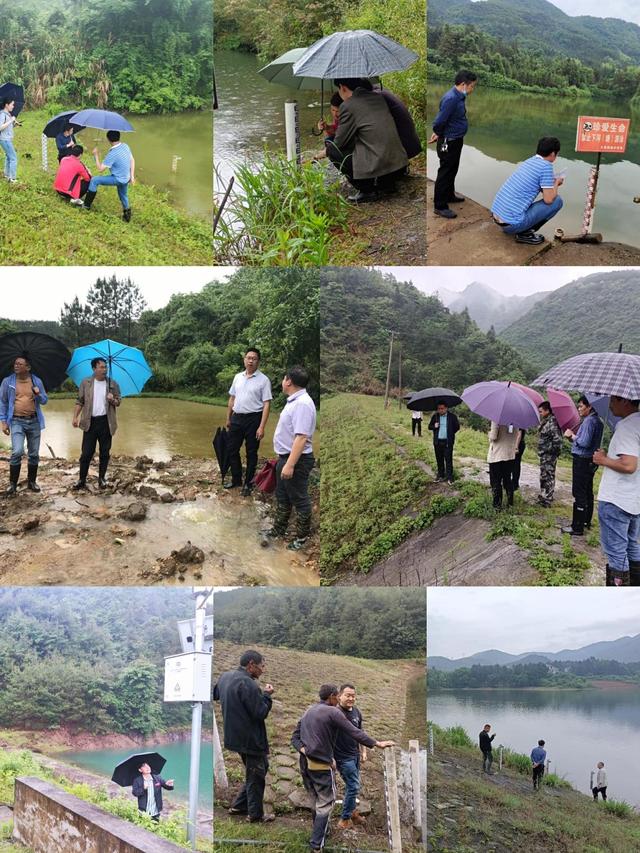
{"x": 399, "y": 374}
{"x": 196, "y": 725}
{"x": 386, "y": 391}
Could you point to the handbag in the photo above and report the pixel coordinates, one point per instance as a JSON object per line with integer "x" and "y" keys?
{"x": 265, "y": 479}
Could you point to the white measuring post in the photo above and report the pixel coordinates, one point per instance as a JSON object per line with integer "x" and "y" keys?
{"x": 591, "y": 781}
{"x": 548, "y": 765}
{"x": 393, "y": 806}
{"x": 414, "y": 758}
{"x": 292, "y": 131}
{"x": 500, "y": 752}
{"x": 174, "y": 162}
{"x": 219, "y": 769}
{"x": 45, "y": 154}
{"x": 430, "y": 740}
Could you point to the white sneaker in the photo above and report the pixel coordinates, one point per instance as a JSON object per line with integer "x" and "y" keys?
{"x": 12, "y": 180}
{"x": 77, "y": 201}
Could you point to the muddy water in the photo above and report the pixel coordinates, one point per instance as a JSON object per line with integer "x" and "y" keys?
{"x": 155, "y": 426}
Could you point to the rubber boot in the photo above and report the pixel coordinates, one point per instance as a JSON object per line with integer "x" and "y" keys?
{"x": 577, "y": 522}
{"x": 280, "y": 522}
{"x": 608, "y": 581}
{"x": 634, "y": 572}
{"x": 32, "y": 476}
{"x": 619, "y": 578}
{"x": 88, "y": 199}
{"x": 303, "y": 528}
{"x": 14, "y": 476}
{"x": 126, "y": 214}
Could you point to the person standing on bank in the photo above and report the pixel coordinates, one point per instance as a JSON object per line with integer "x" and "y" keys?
{"x": 95, "y": 414}
{"x": 147, "y": 787}
{"x": 538, "y": 758}
{"x": 21, "y": 396}
{"x": 416, "y": 423}
{"x": 549, "y": 449}
{"x": 349, "y": 754}
{"x": 585, "y": 442}
{"x": 503, "y": 449}
{"x": 247, "y": 414}
{"x": 292, "y": 441}
{"x": 245, "y": 707}
{"x": 449, "y": 129}
{"x": 486, "y": 748}
{"x": 444, "y": 425}
{"x": 601, "y": 782}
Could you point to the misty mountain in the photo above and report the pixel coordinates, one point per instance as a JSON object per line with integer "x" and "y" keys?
{"x": 488, "y": 307}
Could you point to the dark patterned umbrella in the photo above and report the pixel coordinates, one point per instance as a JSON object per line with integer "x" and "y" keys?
{"x": 427, "y": 399}
{"x": 49, "y": 357}
{"x": 606, "y": 373}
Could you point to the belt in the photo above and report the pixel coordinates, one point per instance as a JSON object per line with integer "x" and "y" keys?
{"x": 25, "y": 417}
{"x": 247, "y": 414}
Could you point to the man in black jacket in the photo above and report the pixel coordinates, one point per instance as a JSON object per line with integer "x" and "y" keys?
{"x": 486, "y": 749}
{"x": 444, "y": 425}
{"x": 245, "y": 707}
{"x": 147, "y": 787}
{"x": 314, "y": 738}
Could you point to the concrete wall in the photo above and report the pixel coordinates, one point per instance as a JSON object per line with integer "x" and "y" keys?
{"x": 49, "y": 820}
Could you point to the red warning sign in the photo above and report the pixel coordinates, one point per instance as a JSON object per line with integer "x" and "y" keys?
{"x": 599, "y": 134}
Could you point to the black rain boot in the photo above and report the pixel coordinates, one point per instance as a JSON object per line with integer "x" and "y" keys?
{"x": 88, "y": 200}
{"x": 32, "y": 476}
{"x": 619, "y": 578}
{"x": 303, "y": 528}
{"x": 126, "y": 214}
{"x": 608, "y": 581}
{"x": 634, "y": 572}
{"x": 577, "y": 522}
{"x": 14, "y": 476}
{"x": 280, "y": 522}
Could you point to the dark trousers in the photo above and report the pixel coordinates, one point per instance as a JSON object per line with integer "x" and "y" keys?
{"x": 416, "y": 424}
{"x": 294, "y": 492}
{"x": 320, "y": 785}
{"x": 501, "y": 477}
{"x": 582, "y": 490}
{"x": 344, "y": 164}
{"x": 243, "y": 430}
{"x": 538, "y": 773}
{"x": 444, "y": 458}
{"x": 250, "y": 799}
{"x": 517, "y": 465}
{"x": 602, "y": 791}
{"x": 487, "y": 761}
{"x": 449, "y": 152}
{"x": 100, "y": 434}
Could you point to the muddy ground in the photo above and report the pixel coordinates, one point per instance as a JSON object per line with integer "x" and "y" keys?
{"x": 156, "y": 523}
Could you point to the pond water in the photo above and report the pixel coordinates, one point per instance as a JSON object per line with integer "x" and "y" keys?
{"x": 580, "y": 727}
{"x": 504, "y": 128}
{"x": 103, "y": 761}
{"x": 157, "y": 140}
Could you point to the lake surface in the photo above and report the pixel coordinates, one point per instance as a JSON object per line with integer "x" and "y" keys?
{"x": 504, "y": 128}
{"x": 177, "y": 767}
{"x": 580, "y": 727}
{"x": 155, "y": 426}
{"x": 156, "y": 141}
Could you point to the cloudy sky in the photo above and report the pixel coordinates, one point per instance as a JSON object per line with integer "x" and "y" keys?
{"x": 628, "y": 10}
{"x": 37, "y": 293}
{"x": 462, "y": 621}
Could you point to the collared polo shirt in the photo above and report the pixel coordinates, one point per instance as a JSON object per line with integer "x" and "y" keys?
{"x": 297, "y": 418}
{"x": 250, "y": 392}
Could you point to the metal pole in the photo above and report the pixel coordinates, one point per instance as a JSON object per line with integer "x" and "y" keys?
{"x": 430, "y": 740}
{"x": 399, "y": 374}
{"x": 386, "y": 390}
{"x": 587, "y": 219}
{"x": 196, "y": 729}
{"x": 45, "y": 154}
{"x": 500, "y": 758}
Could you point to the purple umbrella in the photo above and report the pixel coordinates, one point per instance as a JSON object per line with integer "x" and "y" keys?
{"x": 530, "y": 392}
{"x": 564, "y": 409}
{"x": 503, "y": 403}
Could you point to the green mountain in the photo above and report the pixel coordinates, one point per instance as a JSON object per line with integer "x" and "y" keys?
{"x": 541, "y": 26}
{"x": 596, "y": 313}
{"x": 360, "y": 308}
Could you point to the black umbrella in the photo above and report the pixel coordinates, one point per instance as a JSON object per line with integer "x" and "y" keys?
{"x": 58, "y": 123}
{"x": 427, "y": 399}
{"x": 13, "y": 92}
{"x": 220, "y": 445}
{"x": 127, "y": 770}
{"x": 49, "y": 357}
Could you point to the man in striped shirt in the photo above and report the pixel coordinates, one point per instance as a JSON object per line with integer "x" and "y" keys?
{"x": 515, "y": 208}
{"x": 121, "y": 164}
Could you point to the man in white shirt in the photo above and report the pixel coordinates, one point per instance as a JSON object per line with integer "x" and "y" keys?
{"x": 619, "y": 496}
{"x": 95, "y": 414}
{"x": 601, "y": 782}
{"x": 247, "y": 414}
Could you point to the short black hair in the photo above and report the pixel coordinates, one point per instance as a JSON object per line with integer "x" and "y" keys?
{"x": 68, "y": 127}
{"x": 441, "y": 403}
{"x": 336, "y": 100}
{"x": 95, "y": 361}
{"x": 582, "y": 399}
{"x": 77, "y": 151}
{"x": 540, "y": 743}
{"x": 327, "y": 690}
{"x": 353, "y": 83}
{"x": 546, "y": 406}
{"x": 5, "y": 101}
{"x": 253, "y": 349}
{"x": 465, "y": 77}
{"x": 250, "y": 656}
{"x": 344, "y": 687}
{"x": 24, "y": 356}
{"x": 113, "y": 135}
{"x": 548, "y": 145}
{"x": 298, "y": 375}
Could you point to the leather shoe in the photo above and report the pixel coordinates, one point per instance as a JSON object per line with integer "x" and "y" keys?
{"x": 79, "y": 486}
{"x": 457, "y": 199}
{"x": 445, "y": 213}
{"x": 361, "y": 198}
{"x": 571, "y": 531}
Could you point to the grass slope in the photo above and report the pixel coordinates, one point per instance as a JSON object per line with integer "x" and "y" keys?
{"x": 42, "y": 230}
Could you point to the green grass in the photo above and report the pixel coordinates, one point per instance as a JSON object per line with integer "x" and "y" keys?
{"x": 41, "y": 229}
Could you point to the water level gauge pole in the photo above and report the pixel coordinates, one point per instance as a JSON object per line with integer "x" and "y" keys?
{"x": 292, "y": 131}
{"x": 196, "y": 728}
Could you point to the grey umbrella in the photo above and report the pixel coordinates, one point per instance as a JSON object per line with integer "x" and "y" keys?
{"x": 428, "y": 399}
{"x": 354, "y": 53}
{"x": 280, "y": 71}
{"x": 607, "y": 373}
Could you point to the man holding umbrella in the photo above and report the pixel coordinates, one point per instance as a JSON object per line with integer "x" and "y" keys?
{"x": 120, "y": 162}
{"x": 142, "y": 772}
{"x": 21, "y": 398}
{"x": 95, "y": 414}
{"x": 584, "y": 443}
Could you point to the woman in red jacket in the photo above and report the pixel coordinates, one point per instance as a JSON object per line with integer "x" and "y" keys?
{"x": 72, "y": 177}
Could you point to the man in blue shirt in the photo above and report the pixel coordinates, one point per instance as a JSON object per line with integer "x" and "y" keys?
{"x": 21, "y": 397}
{"x": 121, "y": 164}
{"x": 449, "y": 128}
{"x": 444, "y": 425}
{"x": 515, "y": 208}
{"x": 65, "y": 141}
{"x": 538, "y": 758}
{"x": 585, "y": 442}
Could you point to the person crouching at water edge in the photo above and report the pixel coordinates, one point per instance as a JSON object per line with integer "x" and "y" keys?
{"x": 147, "y": 787}
{"x": 515, "y": 208}
{"x": 72, "y": 178}
{"x": 120, "y": 162}
{"x": 95, "y": 415}
{"x": 292, "y": 443}
{"x": 21, "y": 398}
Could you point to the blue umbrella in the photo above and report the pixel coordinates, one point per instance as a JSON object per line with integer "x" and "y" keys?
{"x": 14, "y": 92}
{"x": 125, "y": 365}
{"x": 354, "y": 53}
{"x": 58, "y": 123}
{"x": 101, "y": 119}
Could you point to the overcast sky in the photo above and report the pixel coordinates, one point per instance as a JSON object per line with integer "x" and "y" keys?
{"x": 628, "y": 10}
{"x": 511, "y": 281}
{"x": 37, "y": 293}
{"x": 462, "y": 621}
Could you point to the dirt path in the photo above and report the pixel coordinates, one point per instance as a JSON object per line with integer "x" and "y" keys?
{"x": 474, "y": 239}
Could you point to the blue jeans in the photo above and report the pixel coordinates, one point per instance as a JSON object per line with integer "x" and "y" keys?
{"x": 619, "y": 535}
{"x": 21, "y": 429}
{"x": 535, "y": 216}
{"x": 350, "y": 772}
{"x": 110, "y": 181}
{"x": 10, "y": 159}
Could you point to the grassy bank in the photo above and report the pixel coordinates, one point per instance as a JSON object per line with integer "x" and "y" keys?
{"x": 41, "y": 229}
{"x": 469, "y": 812}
